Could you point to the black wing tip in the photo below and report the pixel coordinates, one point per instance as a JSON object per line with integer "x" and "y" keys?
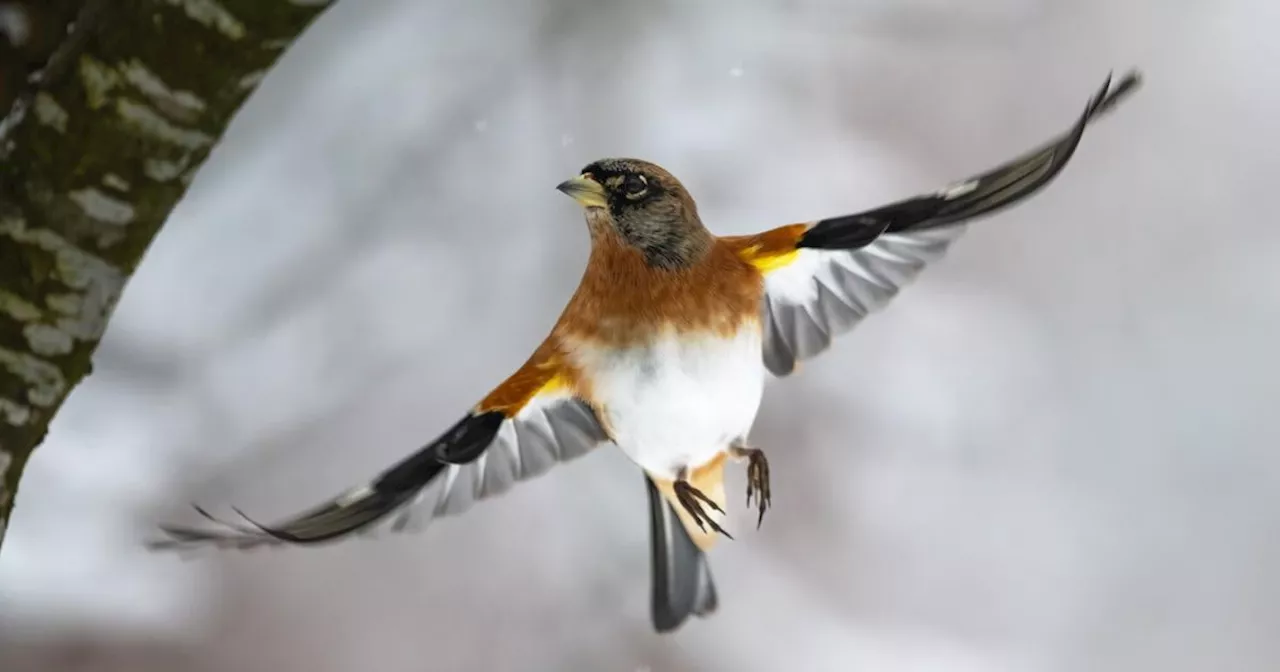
{"x": 937, "y": 210}
{"x": 354, "y": 510}
{"x": 1114, "y": 92}
{"x": 1109, "y": 96}
{"x": 324, "y": 524}
{"x": 232, "y": 535}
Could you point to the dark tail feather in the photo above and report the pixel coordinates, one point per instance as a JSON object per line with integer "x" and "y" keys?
{"x": 682, "y": 582}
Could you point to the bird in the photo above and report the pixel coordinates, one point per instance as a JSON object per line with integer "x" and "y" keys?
{"x": 663, "y": 351}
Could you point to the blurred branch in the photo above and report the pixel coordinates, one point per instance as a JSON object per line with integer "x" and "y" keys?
{"x": 110, "y": 108}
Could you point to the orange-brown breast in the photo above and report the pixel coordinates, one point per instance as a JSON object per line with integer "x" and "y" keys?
{"x": 622, "y": 301}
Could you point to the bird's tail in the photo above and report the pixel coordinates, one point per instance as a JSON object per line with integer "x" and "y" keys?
{"x": 682, "y": 582}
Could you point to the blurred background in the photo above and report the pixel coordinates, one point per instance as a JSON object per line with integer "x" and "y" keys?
{"x": 1055, "y": 452}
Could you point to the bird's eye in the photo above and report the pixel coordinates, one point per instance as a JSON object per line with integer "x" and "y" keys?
{"x": 635, "y": 186}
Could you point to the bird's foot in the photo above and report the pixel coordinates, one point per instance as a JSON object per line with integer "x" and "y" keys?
{"x": 692, "y": 499}
{"x": 757, "y": 479}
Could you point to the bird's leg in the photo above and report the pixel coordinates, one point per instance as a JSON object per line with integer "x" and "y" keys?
{"x": 757, "y": 476}
{"x": 691, "y": 499}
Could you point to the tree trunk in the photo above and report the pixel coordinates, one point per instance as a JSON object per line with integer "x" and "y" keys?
{"x": 112, "y": 106}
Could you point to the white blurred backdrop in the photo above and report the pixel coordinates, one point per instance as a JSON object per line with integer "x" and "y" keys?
{"x": 1055, "y": 452}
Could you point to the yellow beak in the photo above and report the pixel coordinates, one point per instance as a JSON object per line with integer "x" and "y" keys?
{"x": 586, "y": 191}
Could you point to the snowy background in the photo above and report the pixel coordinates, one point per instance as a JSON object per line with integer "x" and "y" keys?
{"x": 1054, "y": 453}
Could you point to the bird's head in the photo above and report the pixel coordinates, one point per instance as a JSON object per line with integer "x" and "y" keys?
{"x": 645, "y": 205}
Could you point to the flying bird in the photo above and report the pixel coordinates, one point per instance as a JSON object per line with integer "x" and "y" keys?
{"x": 662, "y": 351}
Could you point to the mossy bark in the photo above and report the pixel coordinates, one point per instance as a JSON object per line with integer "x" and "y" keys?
{"x": 99, "y": 141}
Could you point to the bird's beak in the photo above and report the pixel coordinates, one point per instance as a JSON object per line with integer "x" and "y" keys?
{"x": 585, "y": 190}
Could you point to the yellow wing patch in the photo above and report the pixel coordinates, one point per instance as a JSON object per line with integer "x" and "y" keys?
{"x": 770, "y": 250}
{"x": 769, "y": 262}
{"x": 544, "y": 373}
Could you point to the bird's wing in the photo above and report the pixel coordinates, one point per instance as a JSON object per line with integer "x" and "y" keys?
{"x": 823, "y": 277}
{"x": 523, "y": 427}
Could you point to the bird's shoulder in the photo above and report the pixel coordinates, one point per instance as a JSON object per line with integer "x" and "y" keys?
{"x": 767, "y": 250}
{"x": 547, "y": 371}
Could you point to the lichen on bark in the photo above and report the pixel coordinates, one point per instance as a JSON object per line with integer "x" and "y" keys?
{"x": 98, "y": 142}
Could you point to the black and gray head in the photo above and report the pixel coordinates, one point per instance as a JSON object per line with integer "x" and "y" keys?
{"x": 645, "y": 205}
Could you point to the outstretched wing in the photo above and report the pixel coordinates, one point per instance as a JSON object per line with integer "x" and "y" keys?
{"x": 528, "y": 423}
{"x": 823, "y": 277}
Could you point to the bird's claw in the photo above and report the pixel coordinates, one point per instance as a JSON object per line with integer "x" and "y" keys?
{"x": 692, "y": 499}
{"x": 758, "y": 482}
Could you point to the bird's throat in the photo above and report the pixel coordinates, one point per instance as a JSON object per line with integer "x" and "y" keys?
{"x": 663, "y": 245}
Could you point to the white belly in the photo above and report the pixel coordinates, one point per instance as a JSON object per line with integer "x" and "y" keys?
{"x": 677, "y": 403}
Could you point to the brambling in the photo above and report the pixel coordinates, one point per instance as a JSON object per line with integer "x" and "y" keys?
{"x": 662, "y": 351}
